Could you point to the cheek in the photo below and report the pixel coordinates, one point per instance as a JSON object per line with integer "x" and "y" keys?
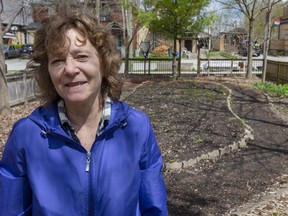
{"x": 54, "y": 77}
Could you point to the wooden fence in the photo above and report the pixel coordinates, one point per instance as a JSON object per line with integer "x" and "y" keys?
{"x": 20, "y": 88}
{"x": 277, "y": 71}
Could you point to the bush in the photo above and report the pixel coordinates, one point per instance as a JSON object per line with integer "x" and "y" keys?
{"x": 273, "y": 89}
{"x": 17, "y": 46}
{"x": 160, "y": 51}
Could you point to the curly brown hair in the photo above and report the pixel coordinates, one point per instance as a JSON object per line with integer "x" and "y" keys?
{"x": 51, "y": 38}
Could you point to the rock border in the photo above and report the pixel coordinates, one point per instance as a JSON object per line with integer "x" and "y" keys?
{"x": 218, "y": 153}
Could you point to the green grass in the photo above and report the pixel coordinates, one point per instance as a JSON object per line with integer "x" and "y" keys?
{"x": 196, "y": 92}
{"x": 272, "y": 89}
{"x": 218, "y": 54}
{"x": 13, "y": 71}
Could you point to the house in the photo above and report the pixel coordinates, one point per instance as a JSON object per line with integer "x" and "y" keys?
{"x": 280, "y": 46}
{"x": 29, "y": 20}
{"x": 17, "y": 33}
{"x": 229, "y": 41}
{"x": 110, "y": 16}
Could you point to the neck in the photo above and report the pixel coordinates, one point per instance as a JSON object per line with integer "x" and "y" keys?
{"x": 84, "y": 114}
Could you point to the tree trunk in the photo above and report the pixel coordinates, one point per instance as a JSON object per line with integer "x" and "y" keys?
{"x": 198, "y": 60}
{"x": 179, "y": 60}
{"x": 130, "y": 29}
{"x": 4, "y": 102}
{"x": 174, "y": 57}
{"x": 97, "y": 9}
{"x": 249, "y": 51}
{"x": 129, "y": 34}
{"x": 267, "y": 39}
{"x": 126, "y": 69}
{"x": 4, "y": 99}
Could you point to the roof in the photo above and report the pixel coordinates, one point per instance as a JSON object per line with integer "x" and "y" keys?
{"x": 9, "y": 35}
{"x": 235, "y": 31}
{"x": 33, "y": 25}
{"x": 11, "y": 7}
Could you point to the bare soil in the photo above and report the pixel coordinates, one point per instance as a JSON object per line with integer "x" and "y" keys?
{"x": 191, "y": 118}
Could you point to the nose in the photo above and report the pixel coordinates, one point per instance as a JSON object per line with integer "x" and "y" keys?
{"x": 71, "y": 67}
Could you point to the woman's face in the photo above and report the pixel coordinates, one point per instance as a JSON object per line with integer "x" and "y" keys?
{"x": 76, "y": 75}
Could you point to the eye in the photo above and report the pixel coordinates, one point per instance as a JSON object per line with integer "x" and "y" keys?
{"x": 56, "y": 62}
{"x": 82, "y": 57}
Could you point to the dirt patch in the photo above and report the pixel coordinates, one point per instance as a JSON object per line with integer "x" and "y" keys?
{"x": 189, "y": 118}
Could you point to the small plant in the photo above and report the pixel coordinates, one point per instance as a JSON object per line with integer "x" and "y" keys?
{"x": 272, "y": 89}
{"x": 199, "y": 141}
{"x": 275, "y": 213}
{"x": 167, "y": 130}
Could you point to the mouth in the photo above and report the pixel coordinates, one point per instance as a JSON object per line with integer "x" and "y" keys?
{"x": 72, "y": 84}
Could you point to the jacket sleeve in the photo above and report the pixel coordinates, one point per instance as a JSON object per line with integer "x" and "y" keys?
{"x": 152, "y": 189}
{"x": 15, "y": 191}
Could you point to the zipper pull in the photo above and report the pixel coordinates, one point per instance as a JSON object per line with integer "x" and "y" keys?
{"x": 88, "y": 162}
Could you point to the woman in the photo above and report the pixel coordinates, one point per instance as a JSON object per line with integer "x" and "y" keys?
{"x": 83, "y": 152}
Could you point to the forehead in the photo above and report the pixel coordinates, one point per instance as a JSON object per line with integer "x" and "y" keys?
{"x": 73, "y": 36}
{"x": 71, "y": 39}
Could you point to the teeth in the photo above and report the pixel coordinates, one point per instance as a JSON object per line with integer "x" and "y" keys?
{"x": 75, "y": 84}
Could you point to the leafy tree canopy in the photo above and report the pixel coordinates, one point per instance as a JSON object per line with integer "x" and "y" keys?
{"x": 174, "y": 18}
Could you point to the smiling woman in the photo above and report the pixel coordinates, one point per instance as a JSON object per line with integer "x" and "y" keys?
{"x": 76, "y": 74}
{"x": 83, "y": 152}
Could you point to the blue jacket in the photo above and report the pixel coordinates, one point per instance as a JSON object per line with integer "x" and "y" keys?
{"x": 44, "y": 172}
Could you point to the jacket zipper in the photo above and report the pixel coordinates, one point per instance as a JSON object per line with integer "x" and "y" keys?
{"x": 88, "y": 158}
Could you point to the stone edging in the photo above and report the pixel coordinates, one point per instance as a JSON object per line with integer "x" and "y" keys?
{"x": 217, "y": 154}
{"x": 275, "y": 195}
{"x": 275, "y": 110}
{"x": 130, "y": 93}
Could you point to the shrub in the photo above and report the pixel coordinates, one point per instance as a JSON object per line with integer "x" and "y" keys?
{"x": 160, "y": 51}
{"x": 273, "y": 89}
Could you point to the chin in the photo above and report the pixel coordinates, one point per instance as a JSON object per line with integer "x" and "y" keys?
{"x": 75, "y": 100}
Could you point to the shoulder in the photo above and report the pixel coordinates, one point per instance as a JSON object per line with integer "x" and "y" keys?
{"x": 131, "y": 113}
{"x": 35, "y": 120}
{"x": 29, "y": 130}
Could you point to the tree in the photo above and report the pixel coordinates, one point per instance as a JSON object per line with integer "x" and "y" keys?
{"x": 270, "y": 4}
{"x": 174, "y": 19}
{"x": 4, "y": 100}
{"x": 127, "y": 31}
{"x": 251, "y": 9}
{"x": 261, "y": 20}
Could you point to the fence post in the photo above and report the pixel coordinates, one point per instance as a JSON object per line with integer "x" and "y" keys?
{"x": 149, "y": 66}
{"x": 25, "y": 88}
{"x": 278, "y": 68}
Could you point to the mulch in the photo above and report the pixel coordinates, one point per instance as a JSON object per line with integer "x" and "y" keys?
{"x": 215, "y": 187}
{"x": 219, "y": 188}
